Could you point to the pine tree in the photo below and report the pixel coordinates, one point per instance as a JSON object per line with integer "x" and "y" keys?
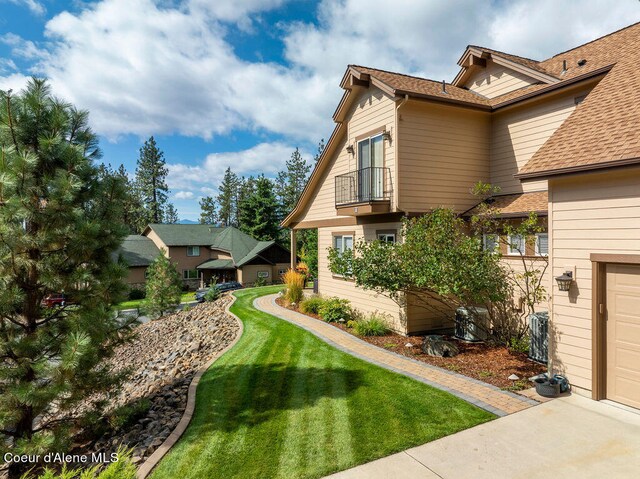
{"x": 259, "y": 216}
{"x": 227, "y": 198}
{"x": 208, "y": 214}
{"x": 163, "y": 287}
{"x": 60, "y": 223}
{"x": 321, "y": 147}
{"x": 151, "y": 177}
{"x": 246, "y": 187}
{"x": 292, "y": 181}
{"x": 171, "y": 214}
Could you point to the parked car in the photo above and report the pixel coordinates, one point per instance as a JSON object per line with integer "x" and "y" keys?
{"x": 222, "y": 287}
{"x": 57, "y": 300}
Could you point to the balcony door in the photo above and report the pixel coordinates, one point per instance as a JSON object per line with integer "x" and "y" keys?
{"x": 370, "y": 171}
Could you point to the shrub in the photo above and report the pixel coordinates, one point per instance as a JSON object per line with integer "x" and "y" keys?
{"x": 136, "y": 293}
{"x": 375, "y": 325}
{"x": 212, "y": 295}
{"x": 123, "y": 469}
{"x": 295, "y": 286}
{"x": 311, "y": 305}
{"x": 260, "y": 282}
{"x": 128, "y": 414}
{"x": 519, "y": 345}
{"x": 335, "y": 309}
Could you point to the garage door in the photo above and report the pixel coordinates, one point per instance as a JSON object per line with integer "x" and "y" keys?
{"x": 623, "y": 334}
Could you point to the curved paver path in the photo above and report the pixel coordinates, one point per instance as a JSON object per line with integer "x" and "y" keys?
{"x": 481, "y": 394}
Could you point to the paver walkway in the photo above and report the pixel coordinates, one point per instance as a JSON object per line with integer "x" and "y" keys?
{"x": 481, "y": 394}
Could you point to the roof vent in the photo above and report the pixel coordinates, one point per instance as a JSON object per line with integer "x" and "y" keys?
{"x": 564, "y": 66}
{"x": 444, "y": 87}
{"x": 582, "y": 62}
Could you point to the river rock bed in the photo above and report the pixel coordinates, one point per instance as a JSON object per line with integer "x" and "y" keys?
{"x": 164, "y": 357}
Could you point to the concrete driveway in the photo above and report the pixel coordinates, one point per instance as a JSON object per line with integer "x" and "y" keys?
{"x": 569, "y": 437}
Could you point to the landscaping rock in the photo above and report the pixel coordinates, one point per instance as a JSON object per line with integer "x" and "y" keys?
{"x": 163, "y": 358}
{"x": 435, "y": 345}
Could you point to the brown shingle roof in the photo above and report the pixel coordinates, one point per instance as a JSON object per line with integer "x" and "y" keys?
{"x": 527, "y": 62}
{"x": 603, "y": 129}
{"x": 402, "y": 84}
{"x": 520, "y": 204}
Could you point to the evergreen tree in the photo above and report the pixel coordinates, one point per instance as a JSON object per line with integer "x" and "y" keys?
{"x": 151, "y": 177}
{"x": 60, "y": 223}
{"x": 259, "y": 212}
{"x": 227, "y": 198}
{"x": 164, "y": 287}
{"x": 171, "y": 214}
{"x": 208, "y": 214}
{"x": 246, "y": 187}
{"x": 318, "y": 154}
{"x": 291, "y": 181}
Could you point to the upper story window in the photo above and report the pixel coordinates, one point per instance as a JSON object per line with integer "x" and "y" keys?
{"x": 490, "y": 243}
{"x": 516, "y": 245}
{"x": 370, "y": 152}
{"x": 193, "y": 250}
{"x": 542, "y": 244}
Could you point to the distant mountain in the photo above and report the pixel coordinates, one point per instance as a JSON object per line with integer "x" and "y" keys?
{"x": 188, "y": 222}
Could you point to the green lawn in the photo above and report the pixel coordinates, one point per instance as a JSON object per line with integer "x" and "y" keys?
{"x": 137, "y": 303}
{"x": 284, "y": 404}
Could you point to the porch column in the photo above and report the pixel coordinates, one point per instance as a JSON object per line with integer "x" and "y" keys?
{"x": 293, "y": 248}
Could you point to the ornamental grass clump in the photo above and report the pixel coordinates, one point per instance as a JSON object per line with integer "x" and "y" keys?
{"x": 294, "y": 282}
{"x": 336, "y": 310}
{"x": 312, "y": 305}
{"x": 374, "y": 325}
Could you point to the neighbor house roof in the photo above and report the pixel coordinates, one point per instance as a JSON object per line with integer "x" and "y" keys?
{"x": 217, "y": 264}
{"x": 242, "y": 247}
{"x": 184, "y": 235}
{"x": 138, "y": 250}
{"x": 516, "y": 205}
{"x": 603, "y": 129}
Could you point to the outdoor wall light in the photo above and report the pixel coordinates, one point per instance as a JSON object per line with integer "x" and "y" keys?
{"x": 386, "y": 136}
{"x": 564, "y": 281}
{"x": 350, "y": 149}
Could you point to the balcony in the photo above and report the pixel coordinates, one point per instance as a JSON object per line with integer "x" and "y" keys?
{"x": 366, "y": 191}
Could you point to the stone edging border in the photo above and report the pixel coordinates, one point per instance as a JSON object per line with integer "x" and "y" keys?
{"x": 463, "y": 396}
{"x": 152, "y": 461}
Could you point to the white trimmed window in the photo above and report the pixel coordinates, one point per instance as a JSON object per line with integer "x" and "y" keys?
{"x": 490, "y": 243}
{"x": 263, "y": 274}
{"x": 193, "y": 250}
{"x": 387, "y": 237}
{"x": 542, "y": 244}
{"x": 343, "y": 243}
{"x": 516, "y": 245}
{"x": 190, "y": 274}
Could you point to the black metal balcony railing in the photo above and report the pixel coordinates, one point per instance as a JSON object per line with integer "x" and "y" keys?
{"x": 365, "y": 185}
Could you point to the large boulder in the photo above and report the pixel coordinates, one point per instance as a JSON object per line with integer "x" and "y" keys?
{"x": 436, "y": 345}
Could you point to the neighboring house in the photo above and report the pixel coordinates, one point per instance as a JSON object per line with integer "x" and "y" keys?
{"x": 559, "y": 136}
{"x": 203, "y": 253}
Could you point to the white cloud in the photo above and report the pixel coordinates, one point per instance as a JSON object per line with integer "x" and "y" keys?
{"x": 147, "y": 69}
{"x": 267, "y": 158}
{"x": 34, "y": 6}
{"x": 184, "y": 195}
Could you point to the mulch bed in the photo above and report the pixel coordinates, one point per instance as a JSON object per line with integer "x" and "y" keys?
{"x": 482, "y": 361}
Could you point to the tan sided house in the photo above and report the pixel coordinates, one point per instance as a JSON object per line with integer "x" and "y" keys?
{"x": 560, "y": 137}
{"x": 203, "y": 253}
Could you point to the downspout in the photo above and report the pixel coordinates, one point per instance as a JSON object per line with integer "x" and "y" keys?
{"x": 396, "y": 190}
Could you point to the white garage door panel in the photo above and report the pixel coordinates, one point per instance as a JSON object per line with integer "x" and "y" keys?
{"x": 623, "y": 334}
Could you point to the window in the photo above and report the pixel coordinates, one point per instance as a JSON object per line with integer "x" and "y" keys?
{"x": 370, "y": 174}
{"x": 193, "y": 250}
{"x": 542, "y": 244}
{"x": 263, "y": 274}
{"x": 516, "y": 245}
{"x": 490, "y": 243}
{"x": 387, "y": 237}
{"x": 190, "y": 274}
{"x": 343, "y": 243}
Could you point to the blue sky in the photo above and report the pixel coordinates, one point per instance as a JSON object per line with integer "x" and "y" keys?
{"x": 241, "y": 83}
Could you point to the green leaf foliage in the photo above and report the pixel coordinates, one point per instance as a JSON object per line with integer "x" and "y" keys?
{"x": 163, "y": 287}
{"x": 60, "y": 225}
